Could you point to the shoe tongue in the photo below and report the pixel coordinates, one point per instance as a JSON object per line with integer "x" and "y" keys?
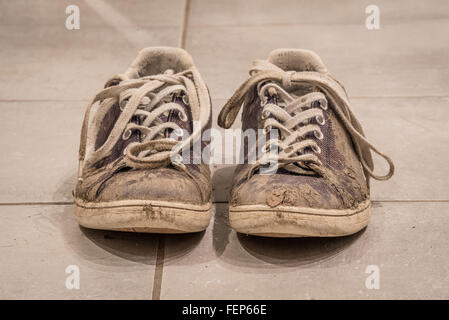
{"x": 297, "y": 60}
{"x": 156, "y": 60}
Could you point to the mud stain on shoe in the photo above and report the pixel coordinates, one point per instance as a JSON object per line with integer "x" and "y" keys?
{"x": 288, "y": 196}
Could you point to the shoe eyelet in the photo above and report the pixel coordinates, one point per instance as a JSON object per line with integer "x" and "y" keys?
{"x": 185, "y": 99}
{"x": 125, "y": 150}
{"x": 122, "y": 104}
{"x": 323, "y": 104}
{"x": 316, "y": 149}
{"x": 182, "y": 116}
{"x": 318, "y": 134}
{"x": 320, "y": 120}
{"x": 145, "y": 100}
{"x": 265, "y": 114}
{"x": 127, "y": 134}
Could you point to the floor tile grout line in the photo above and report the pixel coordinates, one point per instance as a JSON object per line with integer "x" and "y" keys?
{"x": 293, "y": 24}
{"x": 410, "y": 201}
{"x": 222, "y": 25}
{"x": 44, "y": 100}
{"x": 160, "y": 254}
{"x": 159, "y": 268}
{"x": 37, "y": 203}
{"x": 441, "y": 96}
{"x": 98, "y": 27}
{"x": 185, "y": 23}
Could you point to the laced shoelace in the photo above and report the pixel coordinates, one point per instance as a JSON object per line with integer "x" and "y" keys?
{"x": 146, "y": 99}
{"x": 292, "y": 117}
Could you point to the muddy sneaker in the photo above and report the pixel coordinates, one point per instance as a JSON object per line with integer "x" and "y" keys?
{"x": 132, "y": 176}
{"x": 321, "y": 184}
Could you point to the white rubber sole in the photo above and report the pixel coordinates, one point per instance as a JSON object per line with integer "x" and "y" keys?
{"x": 143, "y": 216}
{"x": 286, "y": 221}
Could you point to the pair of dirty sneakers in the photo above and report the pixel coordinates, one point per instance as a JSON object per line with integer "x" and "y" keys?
{"x": 134, "y": 174}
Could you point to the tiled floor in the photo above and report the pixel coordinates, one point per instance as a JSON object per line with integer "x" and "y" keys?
{"x": 398, "y": 81}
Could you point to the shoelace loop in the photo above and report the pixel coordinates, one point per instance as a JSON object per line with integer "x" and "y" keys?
{"x": 146, "y": 99}
{"x": 293, "y": 118}
{"x": 265, "y": 72}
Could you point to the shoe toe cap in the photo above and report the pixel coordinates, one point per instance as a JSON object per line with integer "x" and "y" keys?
{"x": 161, "y": 184}
{"x": 297, "y": 191}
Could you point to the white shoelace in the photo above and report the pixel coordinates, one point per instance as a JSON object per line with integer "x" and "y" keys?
{"x": 292, "y": 116}
{"x": 146, "y": 98}
{"x": 293, "y": 111}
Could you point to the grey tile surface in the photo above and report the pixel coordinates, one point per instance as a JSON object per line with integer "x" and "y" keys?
{"x": 93, "y": 13}
{"x": 399, "y": 76}
{"x": 37, "y": 243}
{"x": 406, "y": 241}
{"x": 43, "y": 60}
{"x": 397, "y": 60}
{"x": 411, "y": 131}
{"x": 266, "y": 12}
{"x": 40, "y": 144}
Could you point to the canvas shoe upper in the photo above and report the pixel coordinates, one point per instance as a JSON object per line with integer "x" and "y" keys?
{"x": 320, "y": 186}
{"x": 132, "y": 175}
